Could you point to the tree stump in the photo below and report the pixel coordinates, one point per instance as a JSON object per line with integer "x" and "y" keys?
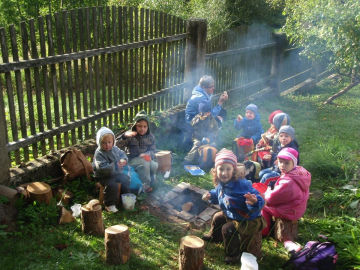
{"x": 40, "y": 192}
{"x": 117, "y": 244}
{"x": 92, "y": 221}
{"x": 191, "y": 253}
{"x": 285, "y": 230}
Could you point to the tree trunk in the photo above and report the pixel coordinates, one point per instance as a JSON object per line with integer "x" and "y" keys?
{"x": 191, "y": 253}
{"x": 341, "y": 92}
{"x": 92, "y": 221}
{"x": 117, "y": 244}
{"x": 40, "y": 192}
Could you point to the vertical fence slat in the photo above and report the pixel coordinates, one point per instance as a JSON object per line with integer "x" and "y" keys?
{"x": 30, "y": 102}
{"x": 70, "y": 84}
{"x": 109, "y": 70}
{"x": 126, "y": 68}
{"x": 96, "y": 74}
{"x": 39, "y": 102}
{"x": 161, "y": 61}
{"x": 115, "y": 62}
{"x": 151, "y": 60}
{"x": 103, "y": 74}
{"x": 90, "y": 68}
{"x": 131, "y": 59}
{"x": 45, "y": 81}
{"x": 136, "y": 57}
{"x": 53, "y": 79}
{"x": 146, "y": 59}
{"x": 4, "y": 155}
{"x": 10, "y": 93}
{"x": 141, "y": 62}
{"x": 121, "y": 61}
{"x": 155, "y": 56}
{"x": 76, "y": 85}
{"x": 19, "y": 91}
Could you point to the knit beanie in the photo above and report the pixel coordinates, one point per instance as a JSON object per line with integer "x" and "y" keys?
{"x": 252, "y": 107}
{"x": 281, "y": 119}
{"x": 225, "y": 156}
{"x": 289, "y": 154}
{"x": 272, "y": 115}
{"x": 288, "y": 130}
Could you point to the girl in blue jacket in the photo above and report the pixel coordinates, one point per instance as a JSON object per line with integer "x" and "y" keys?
{"x": 239, "y": 224}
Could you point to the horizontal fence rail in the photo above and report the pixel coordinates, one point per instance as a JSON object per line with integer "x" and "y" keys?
{"x": 64, "y": 76}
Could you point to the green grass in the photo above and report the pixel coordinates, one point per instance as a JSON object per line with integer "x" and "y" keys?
{"x": 329, "y": 149}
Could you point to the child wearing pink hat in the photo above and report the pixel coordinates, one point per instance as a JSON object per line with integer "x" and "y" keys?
{"x": 240, "y": 222}
{"x": 289, "y": 197}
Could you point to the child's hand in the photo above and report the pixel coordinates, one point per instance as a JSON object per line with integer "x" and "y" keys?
{"x": 250, "y": 198}
{"x": 122, "y": 162}
{"x": 146, "y": 157}
{"x": 223, "y": 97}
{"x": 239, "y": 118}
{"x": 130, "y": 133}
{"x": 206, "y": 196}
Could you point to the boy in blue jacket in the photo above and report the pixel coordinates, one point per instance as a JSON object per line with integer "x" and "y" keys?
{"x": 239, "y": 223}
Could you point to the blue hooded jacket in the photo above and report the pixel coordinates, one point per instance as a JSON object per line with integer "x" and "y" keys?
{"x": 200, "y": 101}
{"x": 230, "y": 197}
{"x": 251, "y": 129}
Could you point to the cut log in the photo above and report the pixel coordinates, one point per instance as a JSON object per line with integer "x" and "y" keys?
{"x": 191, "y": 253}
{"x": 40, "y": 192}
{"x": 117, "y": 244}
{"x": 92, "y": 221}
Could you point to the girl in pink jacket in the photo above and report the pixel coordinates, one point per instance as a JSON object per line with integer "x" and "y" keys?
{"x": 289, "y": 197}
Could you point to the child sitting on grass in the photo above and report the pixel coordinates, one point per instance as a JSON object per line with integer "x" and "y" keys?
{"x": 286, "y": 138}
{"x": 140, "y": 146}
{"x": 250, "y": 125}
{"x": 239, "y": 223}
{"x": 108, "y": 165}
{"x": 251, "y": 132}
{"x": 289, "y": 197}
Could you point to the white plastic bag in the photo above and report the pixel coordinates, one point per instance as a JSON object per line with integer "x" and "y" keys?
{"x": 76, "y": 210}
{"x": 248, "y": 262}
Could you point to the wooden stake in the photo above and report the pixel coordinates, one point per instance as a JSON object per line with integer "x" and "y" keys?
{"x": 39, "y": 191}
{"x": 191, "y": 253}
{"x": 92, "y": 221}
{"x": 117, "y": 244}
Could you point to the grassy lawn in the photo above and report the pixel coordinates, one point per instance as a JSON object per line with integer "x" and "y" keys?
{"x": 329, "y": 142}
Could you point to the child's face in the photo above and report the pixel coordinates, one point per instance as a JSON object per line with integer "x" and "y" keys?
{"x": 250, "y": 114}
{"x": 224, "y": 172}
{"x": 284, "y": 138}
{"x": 285, "y": 165}
{"x": 141, "y": 127}
{"x": 107, "y": 142}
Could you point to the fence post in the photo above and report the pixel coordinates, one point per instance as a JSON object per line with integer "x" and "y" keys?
{"x": 4, "y": 155}
{"x": 276, "y": 64}
{"x": 194, "y": 53}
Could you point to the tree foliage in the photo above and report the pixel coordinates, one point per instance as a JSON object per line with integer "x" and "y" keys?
{"x": 328, "y": 28}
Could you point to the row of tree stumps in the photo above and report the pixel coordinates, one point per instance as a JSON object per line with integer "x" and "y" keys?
{"x": 117, "y": 240}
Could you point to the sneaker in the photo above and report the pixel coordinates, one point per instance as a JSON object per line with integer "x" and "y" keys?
{"x": 111, "y": 208}
{"x": 166, "y": 174}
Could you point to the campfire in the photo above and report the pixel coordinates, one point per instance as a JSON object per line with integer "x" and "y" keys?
{"x": 184, "y": 202}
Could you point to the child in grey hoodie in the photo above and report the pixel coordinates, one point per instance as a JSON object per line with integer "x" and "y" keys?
{"x": 108, "y": 164}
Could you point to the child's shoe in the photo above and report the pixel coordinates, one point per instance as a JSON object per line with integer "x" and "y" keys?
{"x": 111, "y": 208}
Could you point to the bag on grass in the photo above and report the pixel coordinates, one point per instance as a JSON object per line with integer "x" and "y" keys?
{"x": 74, "y": 164}
{"x": 314, "y": 256}
{"x": 135, "y": 182}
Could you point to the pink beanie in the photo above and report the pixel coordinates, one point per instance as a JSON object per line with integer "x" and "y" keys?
{"x": 225, "y": 156}
{"x": 289, "y": 154}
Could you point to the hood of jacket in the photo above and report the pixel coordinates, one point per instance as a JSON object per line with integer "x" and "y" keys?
{"x": 101, "y": 132}
{"x": 301, "y": 176}
{"x": 138, "y": 117}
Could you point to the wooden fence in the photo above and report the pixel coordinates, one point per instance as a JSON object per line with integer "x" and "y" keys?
{"x": 81, "y": 69}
